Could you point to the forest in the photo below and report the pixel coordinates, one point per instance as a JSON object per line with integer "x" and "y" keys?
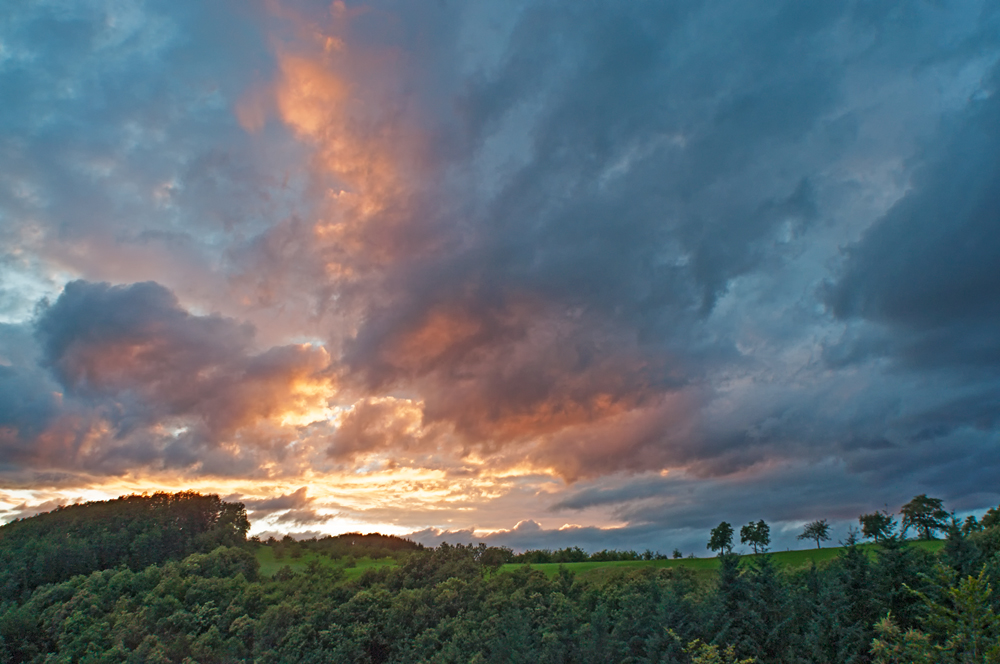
{"x": 174, "y": 578}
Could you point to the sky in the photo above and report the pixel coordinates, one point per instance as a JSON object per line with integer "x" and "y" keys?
{"x": 535, "y": 273}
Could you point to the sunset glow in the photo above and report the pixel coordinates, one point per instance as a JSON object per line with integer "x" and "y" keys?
{"x": 499, "y": 271}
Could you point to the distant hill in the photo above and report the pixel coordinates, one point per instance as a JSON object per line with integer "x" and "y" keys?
{"x": 372, "y": 545}
{"x": 356, "y": 542}
{"x": 134, "y": 531}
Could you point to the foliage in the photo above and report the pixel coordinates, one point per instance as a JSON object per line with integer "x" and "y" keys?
{"x": 962, "y": 626}
{"x": 891, "y": 602}
{"x": 893, "y": 646}
{"x": 817, "y": 531}
{"x": 134, "y": 531}
{"x": 877, "y": 525}
{"x": 971, "y": 525}
{"x": 757, "y": 535}
{"x": 925, "y": 514}
{"x": 721, "y": 538}
{"x": 445, "y": 605}
{"x": 704, "y": 653}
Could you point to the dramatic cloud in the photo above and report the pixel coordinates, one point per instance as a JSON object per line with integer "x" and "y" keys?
{"x": 144, "y": 382}
{"x": 926, "y": 269}
{"x": 539, "y": 272}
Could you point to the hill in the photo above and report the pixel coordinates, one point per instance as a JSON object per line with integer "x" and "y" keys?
{"x": 134, "y": 531}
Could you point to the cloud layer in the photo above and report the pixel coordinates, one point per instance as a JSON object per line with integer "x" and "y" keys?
{"x": 624, "y": 264}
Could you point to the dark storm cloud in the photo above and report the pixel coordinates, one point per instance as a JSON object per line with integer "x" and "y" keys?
{"x": 136, "y": 345}
{"x": 635, "y": 198}
{"x": 665, "y": 156}
{"x": 754, "y": 244}
{"x": 129, "y": 362}
{"x": 678, "y": 510}
{"x": 28, "y": 399}
{"x": 927, "y": 270}
{"x": 642, "y": 161}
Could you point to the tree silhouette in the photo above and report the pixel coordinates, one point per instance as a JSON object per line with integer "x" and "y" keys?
{"x": 925, "y": 514}
{"x": 877, "y": 525}
{"x": 721, "y": 538}
{"x": 816, "y": 530}
{"x": 991, "y": 518}
{"x": 757, "y": 535}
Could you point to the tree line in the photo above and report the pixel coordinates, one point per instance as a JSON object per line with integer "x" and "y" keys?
{"x": 903, "y": 604}
{"x": 134, "y": 531}
{"x": 888, "y": 604}
{"x": 924, "y": 514}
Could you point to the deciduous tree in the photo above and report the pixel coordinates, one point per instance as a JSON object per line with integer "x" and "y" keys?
{"x": 971, "y": 525}
{"x": 757, "y": 535}
{"x": 721, "y": 538}
{"x": 816, "y": 530}
{"x": 877, "y": 525}
{"x": 925, "y": 514}
{"x": 991, "y": 518}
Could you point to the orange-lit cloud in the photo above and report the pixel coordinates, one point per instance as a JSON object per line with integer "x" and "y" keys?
{"x": 420, "y": 364}
{"x": 341, "y": 99}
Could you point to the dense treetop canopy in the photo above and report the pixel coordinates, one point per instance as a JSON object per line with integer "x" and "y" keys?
{"x": 135, "y": 531}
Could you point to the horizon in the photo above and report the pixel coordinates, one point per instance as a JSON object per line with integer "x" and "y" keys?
{"x": 534, "y": 273}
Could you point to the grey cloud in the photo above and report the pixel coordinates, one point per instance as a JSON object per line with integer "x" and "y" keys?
{"x": 666, "y": 154}
{"x": 136, "y": 344}
{"x": 29, "y": 400}
{"x": 130, "y": 365}
{"x": 682, "y": 507}
{"x": 620, "y": 205}
{"x": 927, "y": 268}
{"x": 296, "y": 499}
{"x": 125, "y": 158}
{"x": 303, "y": 517}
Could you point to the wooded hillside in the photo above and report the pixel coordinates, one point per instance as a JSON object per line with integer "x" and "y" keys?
{"x": 134, "y": 531}
{"x": 886, "y": 603}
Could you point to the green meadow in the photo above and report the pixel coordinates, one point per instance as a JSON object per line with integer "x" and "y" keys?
{"x": 602, "y": 571}
{"x": 598, "y": 571}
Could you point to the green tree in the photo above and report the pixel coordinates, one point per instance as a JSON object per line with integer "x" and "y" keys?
{"x": 757, "y": 535}
{"x": 971, "y": 525}
{"x": 961, "y": 554}
{"x": 844, "y": 607}
{"x": 962, "y": 626}
{"x": 877, "y": 525}
{"x": 735, "y": 620}
{"x": 721, "y": 538}
{"x": 991, "y": 518}
{"x": 494, "y": 557}
{"x": 816, "y": 530}
{"x": 894, "y": 646}
{"x": 963, "y": 619}
{"x": 706, "y": 653}
{"x": 925, "y": 514}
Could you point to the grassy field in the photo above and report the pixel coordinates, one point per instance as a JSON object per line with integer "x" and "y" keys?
{"x": 593, "y": 571}
{"x": 600, "y": 571}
